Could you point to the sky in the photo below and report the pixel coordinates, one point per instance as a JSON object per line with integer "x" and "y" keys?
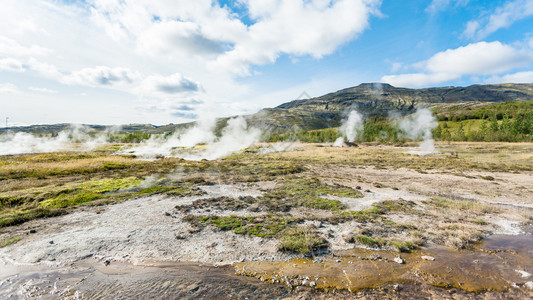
{"x": 173, "y": 61}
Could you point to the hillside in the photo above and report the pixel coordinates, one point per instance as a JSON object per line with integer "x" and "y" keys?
{"x": 380, "y": 100}
{"x": 370, "y": 99}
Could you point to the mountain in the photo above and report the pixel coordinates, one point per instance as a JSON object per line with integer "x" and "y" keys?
{"x": 380, "y": 100}
{"x": 370, "y": 99}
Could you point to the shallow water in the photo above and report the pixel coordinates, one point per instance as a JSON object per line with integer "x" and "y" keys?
{"x": 498, "y": 267}
{"x": 502, "y": 264}
{"x": 92, "y": 279}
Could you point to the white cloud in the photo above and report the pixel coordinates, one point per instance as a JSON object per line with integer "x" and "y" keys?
{"x": 502, "y": 17}
{"x": 519, "y": 77}
{"x": 11, "y": 64}
{"x": 439, "y": 5}
{"x": 417, "y": 79}
{"x": 42, "y": 90}
{"x": 115, "y": 44}
{"x": 296, "y": 27}
{"x": 168, "y": 85}
{"x": 203, "y": 28}
{"x": 9, "y": 47}
{"x": 8, "y": 88}
{"x": 474, "y": 59}
{"x": 177, "y": 38}
{"x": 101, "y": 76}
{"x": 396, "y": 66}
{"x": 479, "y": 58}
{"x": 44, "y": 69}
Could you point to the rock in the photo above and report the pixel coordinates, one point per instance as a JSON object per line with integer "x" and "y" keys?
{"x": 312, "y": 284}
{"x": 358, "y": 187}
{"x": 254, "y": 207}
{"x": 348, "y": 238}
{"x": 318, "y": 260}
{"x": 399, "y": 260}
{"x": 425, "y": 257}
{"x": 338, "y": 260}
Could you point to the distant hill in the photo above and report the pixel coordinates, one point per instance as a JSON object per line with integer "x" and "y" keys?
{"x": 380, "y": 100}
{"x": 370, "y": 99}
{"x": 124, "y": 129}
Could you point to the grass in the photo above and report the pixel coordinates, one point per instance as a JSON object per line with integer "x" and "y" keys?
{"x": 396, "y": 244}
{"x": 89, "y": 191}
{"x": 15, "y": 217}
{"x": 292, "y": 193}
{"x": 265, "y": 226}
{"x": 468, "y": 207}
{"x": 9, "y": 241}
{"x": 46, "y": 185}
{"x": 303, "y": 240}
{"x": 308, "y": 192}
{"x": 367, "y": 241}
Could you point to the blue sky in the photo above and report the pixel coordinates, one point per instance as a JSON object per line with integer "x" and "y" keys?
{"x": 159, "y": 62}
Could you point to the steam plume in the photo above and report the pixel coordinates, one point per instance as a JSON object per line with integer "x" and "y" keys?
{"x": 350, "y": 128}
{"x": 76, "y": 138}
{"x": 235, "y": 136}
{"x": 418, "y": 126}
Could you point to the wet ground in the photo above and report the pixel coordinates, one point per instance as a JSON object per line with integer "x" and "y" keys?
{"x": 93, "y": 279}
{"x": 500, "y": 267}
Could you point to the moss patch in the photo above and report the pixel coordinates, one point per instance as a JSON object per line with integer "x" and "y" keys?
{"x": 9, "y": 241}
{"x": 303, "y": 240}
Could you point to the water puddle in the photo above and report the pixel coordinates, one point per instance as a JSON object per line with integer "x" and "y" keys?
{"x": 93, "y": 279}
{"x": 501, "y": 264}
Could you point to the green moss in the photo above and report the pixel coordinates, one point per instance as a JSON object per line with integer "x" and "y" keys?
{"x": 301, "y": 240}
{"x": 367, "y": 241}
{"x": 463, "y": 205}
{"x": 401, "y": 246}
{"x": 11, "y": 218}
{"x": 368, "y": 215}
{"x": 90, "y": 191}
{"x": 479, "y": 222}
{"x": 9, "y": 241}
{"x": 265, "y": 226}
{"x": 297, "y": 192}
{"x": 398, "y": 245}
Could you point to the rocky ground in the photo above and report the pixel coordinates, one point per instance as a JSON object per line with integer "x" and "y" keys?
{"x": 373, "y": 197}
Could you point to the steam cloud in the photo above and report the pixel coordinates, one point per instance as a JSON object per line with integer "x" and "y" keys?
{"x": 77, "y": 138}
{"x": 350, "y": 128}
{"x": 280, "y": 147}
{"x": 418, "y": 126}
{"x": 235, "y": 136}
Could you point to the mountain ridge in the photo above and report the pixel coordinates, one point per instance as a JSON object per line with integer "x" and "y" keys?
{"x": 326, "y": 111}
{"x": 381, "y": 100}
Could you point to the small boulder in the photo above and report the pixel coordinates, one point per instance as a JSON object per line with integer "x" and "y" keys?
{"x": 399, "y": 260}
